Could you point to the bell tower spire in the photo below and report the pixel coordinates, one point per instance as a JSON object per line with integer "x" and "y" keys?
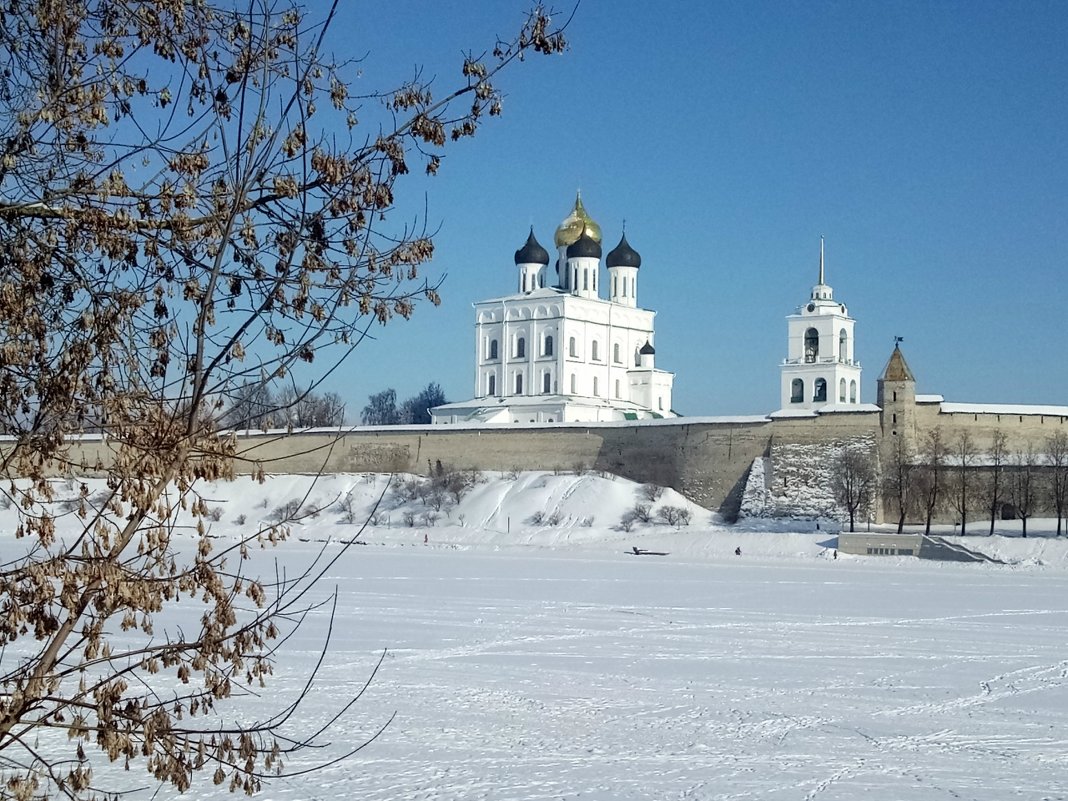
{"x": 821, "y": 259}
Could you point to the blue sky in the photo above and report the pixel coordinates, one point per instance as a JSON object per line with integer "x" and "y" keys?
{"x": 928, "y": 142}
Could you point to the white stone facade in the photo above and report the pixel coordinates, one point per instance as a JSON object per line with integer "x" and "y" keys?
{"x": 820, "y": 369}
{"x": 563, "y": 353}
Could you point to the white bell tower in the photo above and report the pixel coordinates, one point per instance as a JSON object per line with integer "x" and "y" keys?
{"x": 819, "y": 368}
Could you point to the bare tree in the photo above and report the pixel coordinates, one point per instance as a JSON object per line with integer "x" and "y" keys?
{"x": 853, "y": 481}
{"x": 192, "y": 198}
{"x": 1024, "y": 484}
{"x": 1056, "y": 457}
{"x": 931, "y": 476}
{"x": 963, "y": 480}
{"x": 899, "y": 481}
{"x": 995, "y": 489}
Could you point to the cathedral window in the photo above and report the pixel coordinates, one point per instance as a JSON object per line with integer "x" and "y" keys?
{"x": 617, "y": 388}
{"x": 546, "y": 382}
{"x": 520, "y": 347}
{"x": 820, "y": 390}
{"x": 842, "y": 390}
{"x": 518, "y": 383}
{"x": 797, "y": 391}
{"x": 615, "y": 282}
{"x": 637, "y": 358}
{"x": 491, "y": 388}
{"x": 615, "y": 352}
{"x": 843, "y": 346}
{"x": 852, "y": 391}
{"x": 585, "y": 279}
{"x": 574, "y": 388}
{"x": 812, "y": 345}
{"x": 596, "y": 388}
{"x": 594, "y": 352}
{"x": 572, "y": 348}
{"x": 493, "y": 351}
{"x": 548, "y": 349}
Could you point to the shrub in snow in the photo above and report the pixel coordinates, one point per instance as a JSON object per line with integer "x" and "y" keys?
{"x": 554, "y": 519}
{"x": 537, "y": 518}
{"x": 215, "y": 514}
{"x": 287, "y": 511}
{"x": 240, "y": 520}
{"x": 652, "y": 492}
{"x": 626, "y": 523}
{"x": 642, "y": 512}
{"x": 674, "y": 516}
{"x": 429, "y": 519}
{"x": 587, "y": 522}
{"x": 409, "y": 519}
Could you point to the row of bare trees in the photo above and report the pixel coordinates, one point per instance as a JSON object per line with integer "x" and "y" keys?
{"x": 959, "y": 477}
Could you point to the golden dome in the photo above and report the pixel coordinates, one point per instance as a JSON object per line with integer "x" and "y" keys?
{"x": 571, "y": 228}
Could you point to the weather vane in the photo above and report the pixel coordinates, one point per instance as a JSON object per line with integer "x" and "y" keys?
{"x": 898, "y": 339}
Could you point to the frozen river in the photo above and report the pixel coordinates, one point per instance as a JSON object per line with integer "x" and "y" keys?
{"x": 542, "y": 675}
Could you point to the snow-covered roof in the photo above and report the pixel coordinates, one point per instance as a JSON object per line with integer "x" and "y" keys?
{"x": 1004, "y": 408}
{"x": 848, "y": 408}
{"x": 930, "y": 398}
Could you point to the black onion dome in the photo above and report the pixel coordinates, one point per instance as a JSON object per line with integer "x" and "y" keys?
{"x": 647, "y": 349}
{"x": 532, "y": 252}
{"x": 623, "y": 255}
{"x": 584, "y": 247}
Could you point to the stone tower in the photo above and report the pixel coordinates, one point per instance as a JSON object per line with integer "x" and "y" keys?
{"x": 897, "y": 399}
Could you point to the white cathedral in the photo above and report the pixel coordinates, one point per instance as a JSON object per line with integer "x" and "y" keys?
{"x": 556, "y": 351}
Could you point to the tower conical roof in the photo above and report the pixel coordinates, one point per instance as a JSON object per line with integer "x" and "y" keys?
{"x": 623, "y": 255}
{"x": 897, "y": 369}
{"x": 571, "y": 228}
{"x": 532, "y": 252}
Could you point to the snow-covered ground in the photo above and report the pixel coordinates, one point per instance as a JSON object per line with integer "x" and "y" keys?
{"x": 535, "y": 661}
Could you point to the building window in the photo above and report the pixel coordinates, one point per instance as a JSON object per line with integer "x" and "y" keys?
{"x": 617, "y": 388}
{"x": 820, "y": 393}
{"x": 596, "y": 388}
{"x": 520, "y": 347}
{"x": 797, "y": 391}
{"x": 492, "y": 385}
{"x": 637, "y": 357}
{"x": 546, "y": 382}
{"x": 842, "y": 390}
{"x": 548, "y": 350}
{"x": 895, "y": 397}
{"x": 572, "y": 348}
{"x": 493, "y": 349}
{"x": 614, "y": 282}
{"x": 812, "y": 345}
{"x": 574, "y": 386}
{"x": 660, "y": 403}
{"x": 594, "y": 351}
{"x": 852, "y": 391}
{"x": 518, "y": 383}
{"x": 843, "y": 346}
{"x": 585, "y": 279}
{"x": 615, "y": 352}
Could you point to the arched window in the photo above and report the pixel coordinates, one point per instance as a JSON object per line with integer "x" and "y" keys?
{"x": 518, "y": 383}
{"x": 820, "y": 390}
{"x": 843, "y": 346}
{"x": 812, "y": 345}
{"x": 572, "y": 347}
{"x": 615, "y": 352}
{"x": 520, "y": 347}
{"x": 637, "y": 357}
{"x": 574, "y": 386}
{"x": 852, "y": 391}
{"x": 548, "y": 349}
{"x": 594, "y": 348}
{"x": 596, "y": 388}
{"x": 492, "y": 385}
{"x": 585, "y": 279}
{"x": 842, "y": 390}
{"x": 617, "y": 388}
{"x": 797, "y": 391}
{"x": 546, "y": 382}
{"x": 614, "y": 282}
{"x": 493, "y": 350}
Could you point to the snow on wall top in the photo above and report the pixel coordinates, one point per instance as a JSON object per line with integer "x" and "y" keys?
{"x": 1004, "y": 408}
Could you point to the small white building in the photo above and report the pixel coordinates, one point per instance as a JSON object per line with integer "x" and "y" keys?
{"x": 556, "y": 351}
{"x": 819, "y": 370}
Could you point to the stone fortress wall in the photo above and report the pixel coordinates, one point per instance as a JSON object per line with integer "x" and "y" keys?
{"x": 756, "y": 466}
